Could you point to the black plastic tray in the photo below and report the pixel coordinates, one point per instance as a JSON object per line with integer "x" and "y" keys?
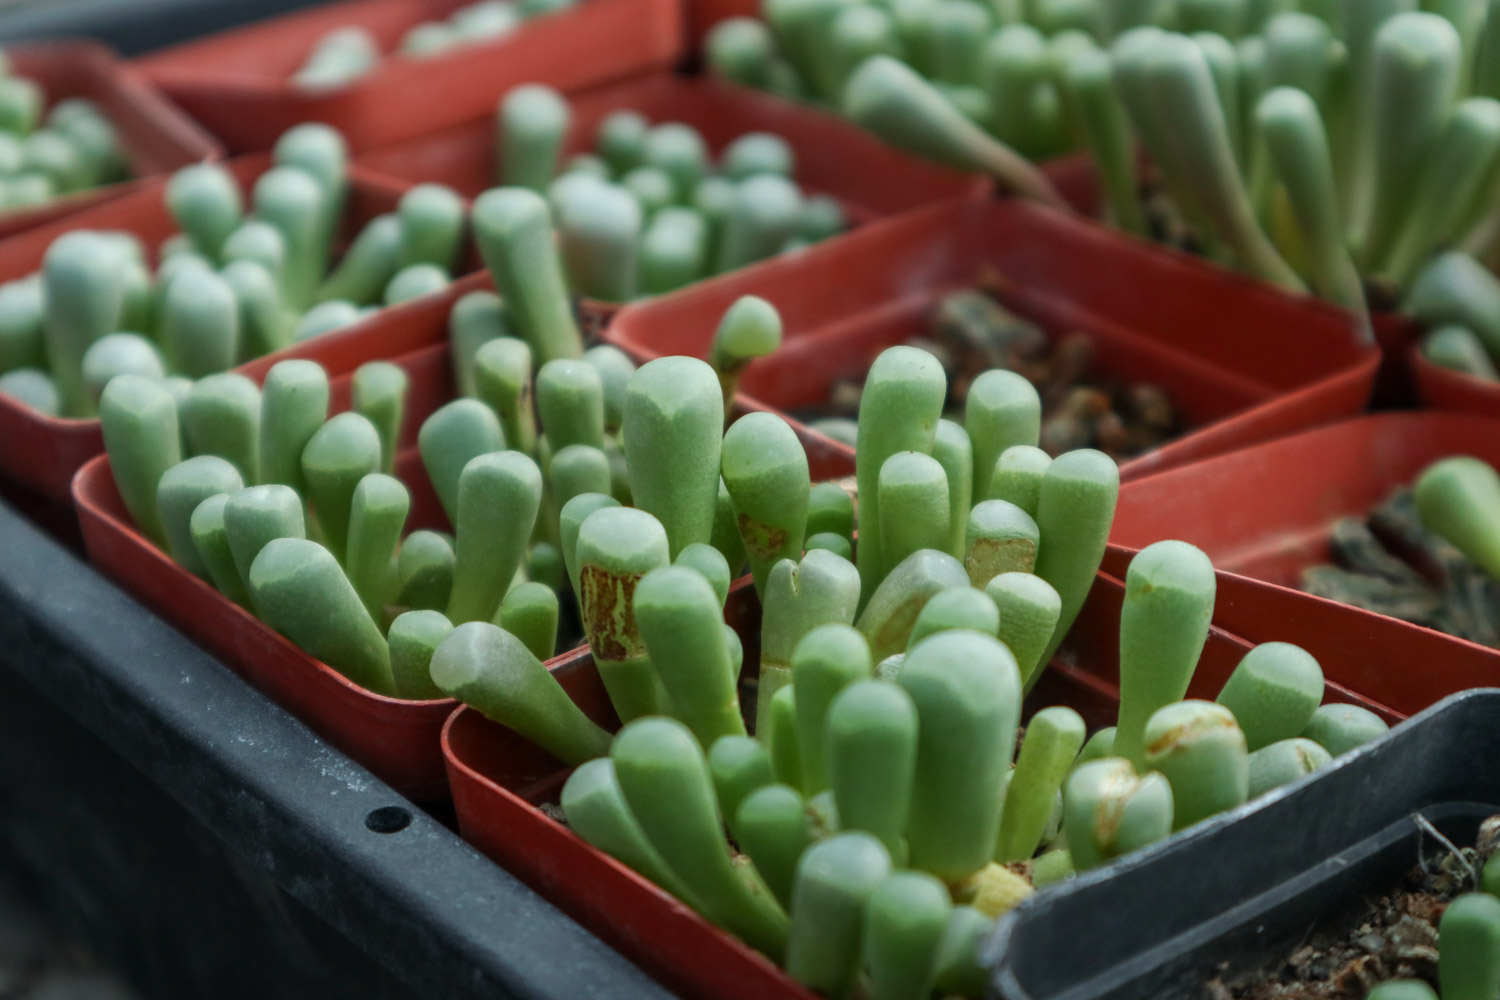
{"x": 1245, "y": 888}
{"x": 135, "y": 26}
{"x": 209, "y": 845}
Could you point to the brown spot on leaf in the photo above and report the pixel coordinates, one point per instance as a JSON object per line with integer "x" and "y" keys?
{"x": 608, "y": 608}
{"x": 763, "y": 541}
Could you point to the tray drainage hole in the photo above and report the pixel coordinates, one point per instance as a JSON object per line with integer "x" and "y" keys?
{"x": 388, "y": 819}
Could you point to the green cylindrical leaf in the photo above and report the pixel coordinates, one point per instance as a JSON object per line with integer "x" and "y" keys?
{"x": 142, "y": 439}
{"x": 1053, "y": 738}
{"x": 1169, "y": 600}
{"x": 772, "y": 827}
{"x": 1200, "y": 749}
{"x": 530, "y": 128}
{"x": 1283, "y": 762}
{"x": 499, "y": 495}
{"x": 871, "y": 749}
{"x": 672, "y": 438}
{"x": 514, "y": 232}
{"x": 486, "y": 667}
{"x": 338, "y": 456}
{"x": 664, "y": 777}
{"x": 182, "y": 488}
{"x": 967, "y": 691}
{"x": 834, "y": 882}
{"x": 301, "y": 592}
{"x": 1273, "y": 693}
{"x": 615, "y": 548}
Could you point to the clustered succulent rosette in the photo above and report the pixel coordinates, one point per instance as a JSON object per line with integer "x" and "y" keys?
{"x": 235, "y": 283}
{"x": 877, "y": 814}
{"x": 1328, "y": 147}
{"x": 49, "y": 152}
{"x": 648, "y": 211}
{"x": 297, "y": 515}
{"x": 346, "y": 54}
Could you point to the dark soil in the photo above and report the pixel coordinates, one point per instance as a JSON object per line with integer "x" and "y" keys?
{"x": 1391, "y": 936}
{"x": 1388, "y": 563}
{"x": 970, "y": 332}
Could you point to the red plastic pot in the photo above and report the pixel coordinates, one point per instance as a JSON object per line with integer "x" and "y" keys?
{"x": 43, "y": 453}
{"x": 1273, "y": 365}
{"x": 499, "y": 781}
{"x": 1264, "y": 514}
{"x": 396, "y": 739}
{"x": 238, "y": 83}
{"x": 156, "y": 136}
{"x": 886, "y": 183}
{"x": 1440, "y": 388}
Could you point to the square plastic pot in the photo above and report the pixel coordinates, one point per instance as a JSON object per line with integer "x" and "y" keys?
{"x": 396, "y": 738}
{"x": 43, "y": 453}
{"x": 239, "y": 83}
{"x": 1271, "y": 365}
{"x": 1246, "y": 888}
{"x": 1265, "y": 514}
{"x": 156, "y": 136}
{"x": 499, "y": 782}
{"x": 1440, "y": 388}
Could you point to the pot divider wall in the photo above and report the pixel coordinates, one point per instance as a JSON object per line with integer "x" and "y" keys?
{"x": 156, "y": 136}
{"x": 1237, "y": 889}
{"x": 1241, "y": 364}
{"x": 1264, "y": 514}
{"x": 499, "y": 781}
{"x": 238, "y": 83}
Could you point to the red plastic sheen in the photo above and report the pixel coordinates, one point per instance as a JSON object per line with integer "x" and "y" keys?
{"x": 1440, "y": 388}
{"x": 1242, "y": 363}
{"x": 43, "y": 453}
{"x": 238, "y": 83}
{"x": 1265, "y": 513}
{"x": 156, "y": 136}
{"x": 499, "y": 780}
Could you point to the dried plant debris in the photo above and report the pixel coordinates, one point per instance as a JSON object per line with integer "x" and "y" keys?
{"x": 970, "y": 332}
{"x": 1390, "y": 936}
{"x": 1390, "y": 564}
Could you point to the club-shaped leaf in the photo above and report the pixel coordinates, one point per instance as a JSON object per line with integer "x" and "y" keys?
{"x": 300, "y": 590}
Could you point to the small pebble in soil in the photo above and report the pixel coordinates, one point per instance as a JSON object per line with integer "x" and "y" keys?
{"x": 1389, "y": 936}
{"x": 1388, "y": 563}
{"x": 970, "y": 332}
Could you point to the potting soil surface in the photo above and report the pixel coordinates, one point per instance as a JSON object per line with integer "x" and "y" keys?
{"x": 970, "y": 332}
{"x": 1390, "y": 564}
{"x": 1389, "y": 936}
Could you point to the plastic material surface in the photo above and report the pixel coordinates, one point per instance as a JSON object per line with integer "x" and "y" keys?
{"x": 238, "y": 83}
{"x": 1239, "y": 889}
{"x": 1264, "y": 514}
{"x": 1241, "y": 363}
{"x": 263, "y": 809}
{"x": 499, "y": 780}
